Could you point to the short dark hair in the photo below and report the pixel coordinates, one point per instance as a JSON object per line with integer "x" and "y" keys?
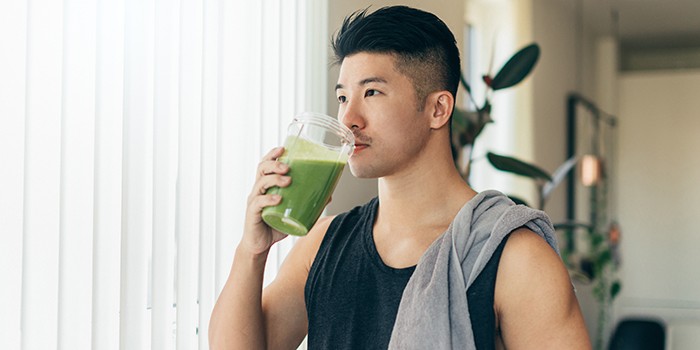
{"x": 424, "y": 47}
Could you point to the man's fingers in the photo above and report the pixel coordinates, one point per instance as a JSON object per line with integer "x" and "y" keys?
{"x": 274, "y": 153}
{"x": 269, "y": 164}
{"x": 266, "y": 182}
{"x": 260, "y": 202}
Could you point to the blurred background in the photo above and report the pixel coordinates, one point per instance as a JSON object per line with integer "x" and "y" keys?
{"x": 131, "y": 131}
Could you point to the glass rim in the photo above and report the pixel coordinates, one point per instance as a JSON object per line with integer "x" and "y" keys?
{"x": 329, "y": 122}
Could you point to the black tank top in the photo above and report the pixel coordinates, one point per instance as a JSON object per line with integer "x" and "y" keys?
{"x": 352, "y": 297}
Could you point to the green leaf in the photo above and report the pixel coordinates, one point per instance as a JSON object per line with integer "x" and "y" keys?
{"x": 615, "y": 289}
{"x": 486, "y": 107}
{"x": 517, "y": 67}
{"x": 516, "y": 166}
{"x": 460, "y": 120}
{"x": 603, "y": 258}
{"x": 464, "y": 82}
{"x": 597, "y": 239}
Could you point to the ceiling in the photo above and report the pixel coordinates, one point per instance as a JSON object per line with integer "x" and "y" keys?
{"x": 646, "y": 23}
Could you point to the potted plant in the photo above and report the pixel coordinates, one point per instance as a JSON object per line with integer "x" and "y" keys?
{"x": 598, "y": 265}
{"x": 468, "y": 124}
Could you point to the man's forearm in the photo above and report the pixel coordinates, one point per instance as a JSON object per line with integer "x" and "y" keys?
{"x": 237, "y": 321}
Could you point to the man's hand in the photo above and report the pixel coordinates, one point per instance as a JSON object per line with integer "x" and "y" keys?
{"x": 258, "y": 237}
{"x": 246, "y": 316}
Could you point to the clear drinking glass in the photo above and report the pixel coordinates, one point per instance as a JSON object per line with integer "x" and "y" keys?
{"x": 316, "y": 149}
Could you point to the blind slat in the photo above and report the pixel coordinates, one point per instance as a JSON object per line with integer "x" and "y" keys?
{"x": 77, "y": 192}
{"x": 13, "y": 30}
{"x": 137, "y": 177}
{"x": 166, "y": 145}
{"x": 42, "y": 176}
{"x": 109, "y": 97}
{"x": 268, "y": 73}
{"x": 300, "y": 56}
{"x": 238, "y": 143}
{"x": 188, "y": 180}
{"x": 211, "y": 61}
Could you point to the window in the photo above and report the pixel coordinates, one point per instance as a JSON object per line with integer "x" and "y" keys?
{"x": 130, "y": 134}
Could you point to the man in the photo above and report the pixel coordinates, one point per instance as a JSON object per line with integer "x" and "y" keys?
{"x": 344, "y": 282}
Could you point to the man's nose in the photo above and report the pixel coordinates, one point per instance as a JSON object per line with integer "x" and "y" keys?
{"x": 351, "y": 116}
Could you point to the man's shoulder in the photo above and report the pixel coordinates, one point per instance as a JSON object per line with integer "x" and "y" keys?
{"x": 530, "y": 267}
{"x": 534, "y": 298}
{"x": 527, "y": 247}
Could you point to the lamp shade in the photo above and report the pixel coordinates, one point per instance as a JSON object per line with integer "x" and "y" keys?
{"x": 590, "y": 170}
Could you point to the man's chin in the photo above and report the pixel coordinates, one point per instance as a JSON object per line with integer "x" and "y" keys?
{"x": 361, "y": 173}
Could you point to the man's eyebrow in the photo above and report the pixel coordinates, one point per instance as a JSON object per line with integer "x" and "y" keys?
{"x": 364, "y": 82}
{"x": 372, "y": 80}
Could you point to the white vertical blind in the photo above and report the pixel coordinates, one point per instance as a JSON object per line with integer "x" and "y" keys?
{"x": 130, "y": 132}
{"x": 207, "y": 161}
{"x": 165, "y": 166}
{"x": 42, "y": 175}
{"x": 190, "y": 155}
{"x": 77, "y": 174}
{"x": 107, "y": 210}
{"x": 13, "y": 92}
{"x": 137, "y": 175}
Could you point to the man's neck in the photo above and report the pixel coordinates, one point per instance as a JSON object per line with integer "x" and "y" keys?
{"x": 418, "y": 197}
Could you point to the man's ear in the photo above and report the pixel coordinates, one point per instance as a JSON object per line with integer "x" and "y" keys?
{"x": 441, "y": 105}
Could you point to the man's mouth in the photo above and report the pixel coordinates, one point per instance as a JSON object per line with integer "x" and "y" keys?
{"x": 359, "y": 147}
{"x": 361, "y": 142}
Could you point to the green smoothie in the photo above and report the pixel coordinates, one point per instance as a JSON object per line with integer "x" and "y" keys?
{"x": 313, "y": 182}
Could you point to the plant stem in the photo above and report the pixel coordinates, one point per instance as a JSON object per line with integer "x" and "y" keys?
{"x": 468, "y": 149}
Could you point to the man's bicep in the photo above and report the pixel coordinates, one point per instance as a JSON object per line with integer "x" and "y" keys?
{"x": 535, "y": 299}
{"x": 285, "y": 314}
{"x": 283, "y": 300}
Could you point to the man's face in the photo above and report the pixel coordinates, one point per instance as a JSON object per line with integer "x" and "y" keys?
{"x": 379, "y": 105}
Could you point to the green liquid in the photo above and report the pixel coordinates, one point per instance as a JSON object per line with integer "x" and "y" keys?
{"x": 313, "y": 182}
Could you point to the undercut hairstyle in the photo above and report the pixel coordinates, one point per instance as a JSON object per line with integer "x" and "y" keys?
{"x": 424, "y": 48}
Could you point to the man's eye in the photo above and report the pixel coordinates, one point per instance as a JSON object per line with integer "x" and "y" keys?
{"x": 371, "y": 92}
{"x": 341, "y": 99}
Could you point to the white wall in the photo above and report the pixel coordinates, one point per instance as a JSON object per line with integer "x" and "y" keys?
{"x": 565, "y": 66}
{"x": 352, "y": 191}
{"x": 659, "y": 196}
{"x": 501, "y": 28}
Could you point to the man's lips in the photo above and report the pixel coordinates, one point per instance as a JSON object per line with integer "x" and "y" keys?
{"x": 361, "y": 142}
{"x": 359, "y": 147}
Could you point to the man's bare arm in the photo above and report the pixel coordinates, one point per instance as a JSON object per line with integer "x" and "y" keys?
{"x": 245, "y": 318}
{"x": 534, "y": 298}
{"x": 283, "y": 300}
{"x": 237, "y": 320}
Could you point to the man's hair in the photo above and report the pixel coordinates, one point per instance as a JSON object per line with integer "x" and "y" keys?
{"x": 424, "y": 48}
